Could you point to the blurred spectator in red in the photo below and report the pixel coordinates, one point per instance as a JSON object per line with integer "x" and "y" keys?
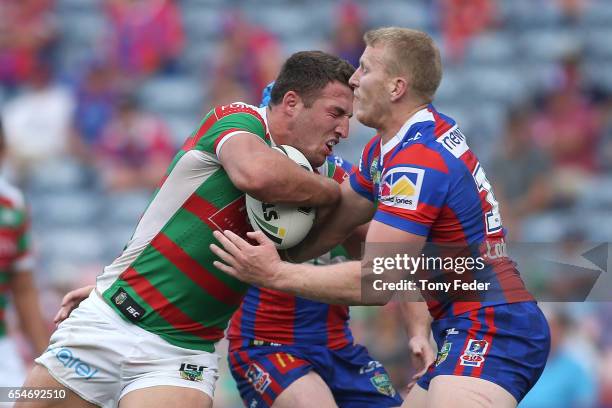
{"x": 347, "y": 40}
{"x": 146, "y": 36}
{"x": 526, "y": 189}
{"x": 248, "y": 59}
{"x": 96, "y": 97}
{"x": 38, "y": 122}
{"x": 134, "y": 150}
{"x": 569, "y": 129}
{"x": 460, "y": 20}
{"x": 27, "y": 33}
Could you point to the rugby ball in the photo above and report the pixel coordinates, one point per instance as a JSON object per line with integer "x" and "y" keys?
{"x": 285, "y": 225}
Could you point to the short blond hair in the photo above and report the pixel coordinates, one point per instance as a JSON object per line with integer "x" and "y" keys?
{"x": 412, "y": 52}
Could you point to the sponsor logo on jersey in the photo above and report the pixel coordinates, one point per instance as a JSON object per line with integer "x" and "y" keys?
{"x": 127, "y": 306}
{"x": 401, "y": 186}
{"x": 371, "y": 366}
{"x": 443, "y": 353}
{"x": 383, "y": 384}
{"x": 258, "y": 377}
{"x": 69, "y": 360}
{"x": 452, "y": 330}
{"x": 191, "y": 372}
{"x": 232, "y": 217}
{"x": 473, "y": 355}
{"x": 454, "y": 141}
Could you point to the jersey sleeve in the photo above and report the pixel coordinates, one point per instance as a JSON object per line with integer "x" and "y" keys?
{"x": 362, "y": 178}
{"x": 225, "y": 122}
{"x": 413, "y": 190}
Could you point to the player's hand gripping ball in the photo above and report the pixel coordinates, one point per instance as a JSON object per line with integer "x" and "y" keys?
{"x": 285, "y": 225}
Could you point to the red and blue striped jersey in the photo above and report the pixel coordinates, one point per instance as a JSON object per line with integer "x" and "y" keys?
{"x": 427, "y": 181}
{"x": 271, "y": 317}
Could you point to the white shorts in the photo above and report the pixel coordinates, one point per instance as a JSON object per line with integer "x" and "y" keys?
{"x": 101, "y": 357}
{"x": 12, "y": 369}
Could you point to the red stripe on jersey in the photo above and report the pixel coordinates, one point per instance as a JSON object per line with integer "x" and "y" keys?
{"x": 337, "y": 316}
{"x": 441, "y": 126}
{"x": 448, "y": 228}
{"x": 424, "y": 214}
{"x": 271, "y": 305}
{"x": 363, "y": 182}
{"x": 491, "y": 330}
{"x": 235, "y": 329}
{"x": 223, "y": 134}
{"x": 191, "y": 142}
{"x": 213, "y": 286}
{"x": 339, "y": 174}
{"x": 476, "y": 325}
{"x": 165, "y": 309}
{"x": 419, "y": 155}
{"x": 202, "y": 209}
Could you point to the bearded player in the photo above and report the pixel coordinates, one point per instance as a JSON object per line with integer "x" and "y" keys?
{"x": 418, "y": 181}
{"x": 146, "y": 336}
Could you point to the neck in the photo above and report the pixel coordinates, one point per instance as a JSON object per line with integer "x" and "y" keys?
{"x": 277, "y": 126}
{"x": 396, "y": 120}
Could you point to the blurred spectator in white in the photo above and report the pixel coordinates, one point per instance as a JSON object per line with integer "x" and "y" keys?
{"x": 135, "y": 149}
{"x": 460, "y": 20}
{"x": 27, "y": 33}
{"x": 526, "y": 189}
{"x": 569, "y": 379}
{"x": 248, "y": 59}
{"x": 96, "y": 97}
{"x": 146, "y": 36}
{"x": 347, "y": 40}
{"x": 38, "y": 122}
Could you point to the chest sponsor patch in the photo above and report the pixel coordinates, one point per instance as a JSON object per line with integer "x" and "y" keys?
{"x": 400, "y": 187}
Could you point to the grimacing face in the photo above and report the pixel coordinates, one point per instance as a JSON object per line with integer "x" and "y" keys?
{"x": 319, "y": 128}
{"x": 368, "y": 82}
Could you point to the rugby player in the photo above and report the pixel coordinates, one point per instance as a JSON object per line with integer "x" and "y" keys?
{"x": 418, "y": 181}
{"x": 146, "y": 336}
{"x": 16, "y": 281}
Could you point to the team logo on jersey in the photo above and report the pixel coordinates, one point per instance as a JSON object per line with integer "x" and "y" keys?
{"x": 473, "y": 355}
{"x": 191, "y": 372}
{"x": 258, "y": 377}
{"x": 443, "y": 353}
{"x": 401, "y": 186}
{"x": 383, "y": 384}
{"x": 120, "y": 298}
{"x": 374, "y": 172}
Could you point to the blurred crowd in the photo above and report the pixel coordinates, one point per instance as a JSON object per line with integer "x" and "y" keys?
{"x": 95, "y": 96}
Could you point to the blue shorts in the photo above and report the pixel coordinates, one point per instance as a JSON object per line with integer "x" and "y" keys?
{"x": 505, "y": 344}
{"x": 354, "y": 378}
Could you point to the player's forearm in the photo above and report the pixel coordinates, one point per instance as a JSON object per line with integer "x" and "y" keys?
{"x": 416, "y": 318}
{"x": 292, "y": 185}
{"x": 30, "y": 317}
{"x": 333, "y": 284}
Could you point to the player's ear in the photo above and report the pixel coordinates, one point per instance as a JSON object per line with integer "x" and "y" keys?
{"x": 398, "y": 87}
{"x": 291, "y": 100}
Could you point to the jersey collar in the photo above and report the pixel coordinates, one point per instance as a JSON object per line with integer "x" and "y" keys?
{"x": 263, "y": 111}
{"x": 424, "y": 115}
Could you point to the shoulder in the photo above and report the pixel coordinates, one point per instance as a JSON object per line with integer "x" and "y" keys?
{"x": 11, "y": 195}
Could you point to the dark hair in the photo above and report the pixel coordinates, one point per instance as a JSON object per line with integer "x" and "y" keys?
{"x": 307, "y": 73}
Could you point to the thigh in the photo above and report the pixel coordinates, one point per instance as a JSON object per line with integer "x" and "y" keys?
{"x": 164, "y": 396}
{"x": 39, "y": 377}
{"x": 264, "y": 374}
{"x": 416, "y": 398}
{"x": 308, "y": 391}
{"x": 467, "y": 392}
